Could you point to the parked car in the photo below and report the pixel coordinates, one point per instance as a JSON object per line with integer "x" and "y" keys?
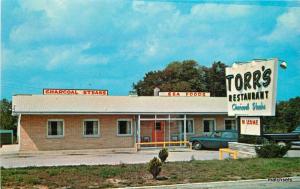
{"x": 217, "y": 139}
{"x": 284, "y": 138}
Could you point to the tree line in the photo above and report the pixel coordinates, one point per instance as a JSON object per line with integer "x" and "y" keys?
{"x": 287, "y": 116}
{"x": 185, "y": 76}
{"x": 7, "y": 121}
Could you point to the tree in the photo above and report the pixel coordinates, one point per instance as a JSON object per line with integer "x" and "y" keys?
{"x": 154, "y": 167}
{"x": 163, "y": 154}
{"x": 215, "y": 79}
{"x": 7, "y": 121}
{"x": 287, "y": 116}
{"x": 184, "y": 76}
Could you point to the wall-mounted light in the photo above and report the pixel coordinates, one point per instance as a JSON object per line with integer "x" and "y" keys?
{"x": 283, "y": 64}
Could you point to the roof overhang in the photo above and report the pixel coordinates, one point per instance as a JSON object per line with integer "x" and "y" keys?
{"x": 119, "y": 113}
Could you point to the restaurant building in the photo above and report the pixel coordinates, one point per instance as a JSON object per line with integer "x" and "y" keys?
{"x": 75, "y": 122}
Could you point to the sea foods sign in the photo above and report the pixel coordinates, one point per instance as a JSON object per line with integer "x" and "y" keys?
{"x": 251, "y": 88}
{"x": 195, "y": 94}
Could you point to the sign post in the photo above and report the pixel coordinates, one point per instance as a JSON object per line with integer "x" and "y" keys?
{"x": 251, "y": 91}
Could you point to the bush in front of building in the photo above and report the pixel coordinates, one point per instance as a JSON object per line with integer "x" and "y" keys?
{"x": 272, "y": 150}
{"x": 163, "y": 154}
{"x": 252, "y": 139}
{"x": 154, "y": 167}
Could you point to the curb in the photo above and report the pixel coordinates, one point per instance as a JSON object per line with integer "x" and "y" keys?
{"x": 223, "y": 184}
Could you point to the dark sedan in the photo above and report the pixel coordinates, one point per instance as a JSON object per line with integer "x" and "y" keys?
{"x": 216, "y": 140}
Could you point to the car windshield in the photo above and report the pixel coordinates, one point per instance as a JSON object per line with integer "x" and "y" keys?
{"x": 224, "y": 134}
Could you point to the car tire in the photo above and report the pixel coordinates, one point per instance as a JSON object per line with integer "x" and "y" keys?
{"x": 197, "y": 145}
{"x": 281, "y": 143}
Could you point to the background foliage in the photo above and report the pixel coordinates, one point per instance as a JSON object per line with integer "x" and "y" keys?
{"x": 7, "y": 121}
{"x": 287, "y": 116}
{"x": 184, "y": 76}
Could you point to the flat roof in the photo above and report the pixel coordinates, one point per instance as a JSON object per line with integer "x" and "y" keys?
{"x": 83, "y": 104}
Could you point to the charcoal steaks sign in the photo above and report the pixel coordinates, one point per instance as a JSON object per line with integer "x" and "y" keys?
{"x": 251, "y": 88}
{"x": 75, "y": 92}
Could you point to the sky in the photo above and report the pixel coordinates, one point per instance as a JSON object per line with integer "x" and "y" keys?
{"x": 111, "y": 44}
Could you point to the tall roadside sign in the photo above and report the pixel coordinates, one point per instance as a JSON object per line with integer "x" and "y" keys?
{"x": 251, "y": 91}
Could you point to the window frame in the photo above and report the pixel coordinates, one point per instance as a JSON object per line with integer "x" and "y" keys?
{"x": 209, "y": 119}
{"x": 90, "y": 136}
{"x": 190, "y": 133}
{"x": 230, "y": 119}
{"x": 124, "y": 135}
{"x": 55, "y": 136}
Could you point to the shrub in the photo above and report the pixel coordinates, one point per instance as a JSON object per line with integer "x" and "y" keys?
{"x": 154, "y": 167}
{"x": 252, "y": 139}
{"x": 163, "y": 154}
{"x": 272, "y": 150}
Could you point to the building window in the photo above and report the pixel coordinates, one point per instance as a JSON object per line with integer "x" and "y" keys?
{"x": 124, "y": 127}
{"x": 189, "y": 126}
{"x": 230, "y": 124}
{"x": 55, "y": 128}
{"x": 91, "y": 128}
{"x": 209, "y": 125}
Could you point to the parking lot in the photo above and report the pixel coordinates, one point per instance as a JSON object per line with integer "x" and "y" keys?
{"x": 97, "y": 158}
{"x": 94, "y": 157}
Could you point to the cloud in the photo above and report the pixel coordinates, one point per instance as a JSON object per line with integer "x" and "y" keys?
{"x": 152, "y": 8}
{"x": 64, "y": 20}
{"x": 73, "y": 55}
{"x": 147, "y": 32}
{"x": 287, "y": 27}
{"x": 219, "y": 12}
{"x": 143, "y": 32}
{"x": 53, "y": 57}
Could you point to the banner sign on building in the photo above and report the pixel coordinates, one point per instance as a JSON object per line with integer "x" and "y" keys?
{"x": 75, "y": 92}
{"x": 251, "y": 88}
{"x": 250, "y": 126}
{"x": 196, "y": 94}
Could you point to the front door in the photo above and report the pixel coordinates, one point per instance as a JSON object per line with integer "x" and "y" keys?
{"x": 158, "y": 131}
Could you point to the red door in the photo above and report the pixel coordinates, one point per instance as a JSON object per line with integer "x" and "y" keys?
{"x": 158, "y": 131}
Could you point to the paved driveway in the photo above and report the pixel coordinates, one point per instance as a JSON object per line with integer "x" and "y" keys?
{"x": 100, "y": 158}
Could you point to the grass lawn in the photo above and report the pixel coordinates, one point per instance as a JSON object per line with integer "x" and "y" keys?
{"x": 104, "y": 176}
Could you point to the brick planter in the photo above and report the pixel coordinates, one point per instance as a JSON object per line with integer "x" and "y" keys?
{"x": 245, "y": 150}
